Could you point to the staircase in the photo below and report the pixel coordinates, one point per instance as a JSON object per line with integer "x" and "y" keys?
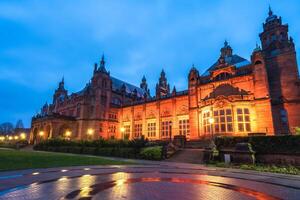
{"x": 187, "y": 156}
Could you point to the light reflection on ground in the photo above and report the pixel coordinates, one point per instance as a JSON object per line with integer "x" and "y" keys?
{"x": 146, "y": 182}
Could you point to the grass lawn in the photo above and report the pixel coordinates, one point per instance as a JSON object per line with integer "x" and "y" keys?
{"x": 14, "y": 159}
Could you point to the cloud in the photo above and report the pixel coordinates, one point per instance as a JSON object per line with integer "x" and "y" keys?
{"x": 43, "y": 40}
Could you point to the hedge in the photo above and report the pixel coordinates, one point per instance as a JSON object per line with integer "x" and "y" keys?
{"x": 263, "y": 144}
{"x": 116, "y": 148}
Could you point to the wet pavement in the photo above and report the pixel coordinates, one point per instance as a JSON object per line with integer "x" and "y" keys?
{"x": 147, "y": 180}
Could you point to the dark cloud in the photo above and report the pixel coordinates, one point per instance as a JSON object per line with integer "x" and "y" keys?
{"x": 43, "y": 40}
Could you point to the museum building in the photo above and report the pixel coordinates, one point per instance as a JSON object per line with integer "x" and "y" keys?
{"x": 234, "y": 96}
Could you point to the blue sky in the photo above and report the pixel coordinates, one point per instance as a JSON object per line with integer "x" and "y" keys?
{"x": 41, "y": 41}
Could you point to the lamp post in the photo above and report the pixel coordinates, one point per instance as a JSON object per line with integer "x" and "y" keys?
{"x": 90, "y": 132}
{"x": 41, "y": 134}
{"x": 170, "y": 126}
{"x": 122, "y": 129}
{"x": 68, "y": 134}
{"x": 23, "y": 136}
{"x": 211, "y": 121}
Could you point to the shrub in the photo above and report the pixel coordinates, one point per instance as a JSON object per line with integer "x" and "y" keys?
{"x": 151, "y": 153}
{"x": 263, "y": 144}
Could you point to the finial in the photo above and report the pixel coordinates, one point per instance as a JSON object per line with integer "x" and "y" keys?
{"x": 162, "y": 73}
{"x": 144, "y": 78}
{"x": 225, "y": 43}
{"x": 270, "y": 11}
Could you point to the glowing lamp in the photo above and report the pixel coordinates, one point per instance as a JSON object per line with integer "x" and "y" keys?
{"x": 122, "y": 129}
{"x": 68, "y": 133}
{"x": 90, "y": 131}
{"x": 23, "y": 136}
{"x": 211, "y": 120}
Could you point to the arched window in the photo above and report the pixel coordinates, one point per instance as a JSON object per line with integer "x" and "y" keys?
{"x": 222, "y": 76}
{"x": 258, "y": 62}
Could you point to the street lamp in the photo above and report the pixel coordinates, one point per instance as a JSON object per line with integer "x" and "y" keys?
{"x": 170, "y": 127}
{"x": 16, "y": 137}
{"x": 90, "y": 132}
{"x": 122, "y": 129}
{"x": 211, "y": 121}
{"x": 41, "y": 133}
{"x": 68, "y": 134}
{"x": 23, "y": 136}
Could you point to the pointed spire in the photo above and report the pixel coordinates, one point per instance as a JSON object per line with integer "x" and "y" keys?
{"x": 102, "y": 65}
{"x": 95, "y": 67}
{"x": 61, "y": 84}
{"x": 144, "y": 79}
{"x": 270, "y": 11}
{"x": 174, "y": 90}
{"x": 225, "y": 43}
{"x": 162, "y": 74}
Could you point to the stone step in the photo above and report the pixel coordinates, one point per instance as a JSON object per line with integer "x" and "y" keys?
{"x": 187, "y": 156}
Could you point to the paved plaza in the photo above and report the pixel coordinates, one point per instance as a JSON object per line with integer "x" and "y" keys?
{"x": 147, "y": 180}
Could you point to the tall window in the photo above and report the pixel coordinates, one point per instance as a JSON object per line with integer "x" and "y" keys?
{"x": 127, "y": 131}
{"x": 151, "y": 129}
{"x": 78, "y": 110}
{"x": 165, "y": 128}
{"x": 243, "y": 119}
{"x": 138, "y": 130}
{"x": 184, "y": 127}
{"x": 223, "y": 121}
{"x": 206, "y": 124}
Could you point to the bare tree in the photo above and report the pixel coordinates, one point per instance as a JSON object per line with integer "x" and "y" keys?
{"x": 19, "y": 124}
{"x": 6, "y": 128}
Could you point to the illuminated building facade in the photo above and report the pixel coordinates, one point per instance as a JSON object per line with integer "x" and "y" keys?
{"x": 233, "y": 97}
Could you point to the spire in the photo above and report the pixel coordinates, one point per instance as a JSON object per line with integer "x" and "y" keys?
{"x": 270, "y": 11}
{"x": 61, "y": 84}
{"x": 144, "y": 79}
{"x": 95, "y": 67}
{"x": 174, "y": 90}
{"x": 162, "y": 73}
{"x": 225, "y": 43}
{"x": 102, "y": 65}
{"x": 257, "y": 48}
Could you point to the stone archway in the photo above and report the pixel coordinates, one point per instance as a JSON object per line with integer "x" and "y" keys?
{"x": 48, "y": 131}
{"x": 34, "y": 135}
{"x": 64, "y": 130}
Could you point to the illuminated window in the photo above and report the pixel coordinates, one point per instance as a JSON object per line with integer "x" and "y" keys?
{"x": 243, "y": 119}
{"x": 206, "y": 124}
{"x": 112, "y": 129}
{"x": 223, "y": 121}
{"x": 165, "y": 128}
{"x": 184, "y": 127}
{"x": 151, "y": 129}
{"x": 138, "y": 130}
{"x": 126, "y": 131}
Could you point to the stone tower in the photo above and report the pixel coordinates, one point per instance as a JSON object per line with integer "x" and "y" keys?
{"x": 279, "y": 54}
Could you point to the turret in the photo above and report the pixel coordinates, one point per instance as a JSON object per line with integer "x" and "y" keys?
{"x": 144, "y": 86}
{"x": 60, "y": 93}
{"x": 162, "y": 87}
